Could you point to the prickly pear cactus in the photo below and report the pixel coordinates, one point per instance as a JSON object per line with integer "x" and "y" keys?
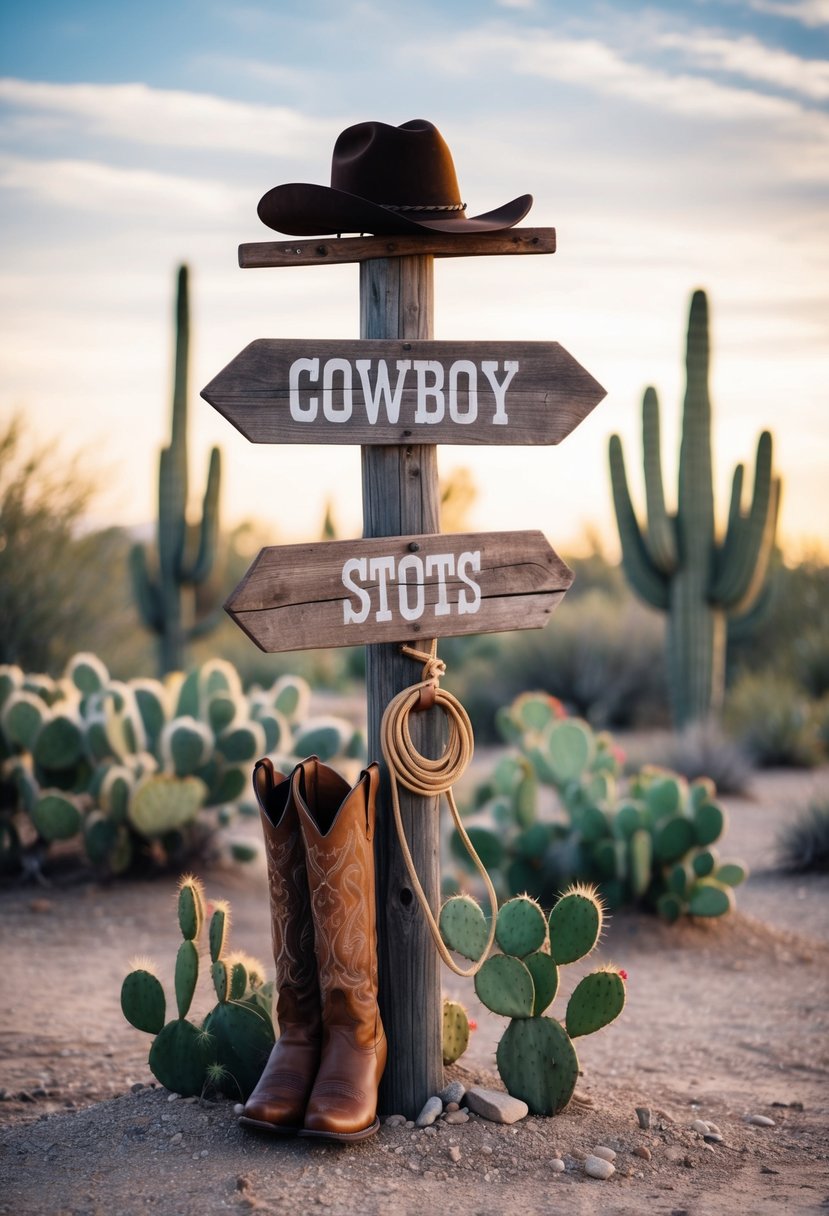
{"x": 455, "y": 1031}
{"x": 228, "y": 1050}
{"x": 536, "y": 1057}
{"x": 144, "y": 769}
{"x": 649, "y": 842}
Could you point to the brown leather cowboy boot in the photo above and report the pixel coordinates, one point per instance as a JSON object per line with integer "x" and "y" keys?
{"x": 278, "y": 1102}
{"x": 337, "y": 825}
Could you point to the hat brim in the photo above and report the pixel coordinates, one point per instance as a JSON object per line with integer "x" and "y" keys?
{"x": 304, "y": 209}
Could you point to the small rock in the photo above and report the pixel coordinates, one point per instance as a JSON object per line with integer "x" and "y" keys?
{"x": 584, "y": 1099}
{"x": 396, "y": 1121}
{"x": 453, "y": 1092}
{"x": 760, "y": 1121}
{"x": 713, "y": 1130}
{"x": 456, "y": 1116}
{"x": 239, "y": 1109}
{"x": 557, "y": 1165}
{"x": 577, "y": 1154}
{"x": 454, "y": 1152}
{"x": 597, "y": 1167}
{"x": 172, "y": 1097}
{"x": 642, "y": 1151}
{"x": 409, "y": 1123}
{"x": 643, "y": 1114}
{"x": 606, "y": 1153}
{"x": 486, "y": 1149}
{"x": 430, "y": 1112}
{"x": 495, "y": 1105}
{"x": 177, "y": 1138}
{"x": 430, "y": 1131}
{"x": 137, "y": 1087}
{"x": 699, "y": 1125}
{"x": 713, "y": 1138}
{"x": 450, "y": 1106}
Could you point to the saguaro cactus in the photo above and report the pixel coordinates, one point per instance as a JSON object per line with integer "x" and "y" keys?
{"x": 677, "y": 564}
{"x": 172, "y": 590}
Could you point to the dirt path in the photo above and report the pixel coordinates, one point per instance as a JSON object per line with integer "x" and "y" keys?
{"x": 723, "y": 1021}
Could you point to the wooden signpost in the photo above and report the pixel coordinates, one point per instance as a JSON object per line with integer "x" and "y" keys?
{"x": 398, "y": 394}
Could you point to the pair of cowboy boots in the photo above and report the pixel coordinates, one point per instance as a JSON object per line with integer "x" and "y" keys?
{"x": 322, "y": 1076}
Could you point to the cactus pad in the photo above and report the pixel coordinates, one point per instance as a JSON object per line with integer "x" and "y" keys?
{"x": 673, "y": 839}
{"x": 569, "y": 749}
{"x": 545, "y": 980}
{"x": 575, "y": 925}
{"x": 538, "y": 1064}
{"x": 142, "y": 1001}
{"x": 710, "y": 899}
{"x": 190, "y": 908}
{"x": 521, "y": 927}
{"x": 187, "y": 973}
{"x": 56, "y": 816}
{"x": 505, "y": 986}
{"x": 455, "y": 1031}
{"x": 161, "y": 804}
{"x": 180, "y": 1056}
{"x": 242, "y": 1039}
{"x": 463, "y": 926}
{"x": 709, "y": 823}
{"x": 596, "y": 1002}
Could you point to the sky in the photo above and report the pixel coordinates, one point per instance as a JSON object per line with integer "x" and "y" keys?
{"x": 671, "y": 145}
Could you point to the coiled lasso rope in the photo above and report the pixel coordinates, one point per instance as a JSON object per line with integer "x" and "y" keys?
{"x": 431, "y": 778}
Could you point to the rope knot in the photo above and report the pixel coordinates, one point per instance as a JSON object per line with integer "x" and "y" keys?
{"x": 434, "y": 669}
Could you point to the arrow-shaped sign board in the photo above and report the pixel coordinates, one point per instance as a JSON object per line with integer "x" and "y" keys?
{"x": 398, "y": 588}
{"x": 395, "y": 392}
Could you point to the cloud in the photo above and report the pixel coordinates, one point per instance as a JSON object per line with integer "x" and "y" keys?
{"x": 93, "y": 187}
{"x": 749, "y": 58}
{"x": 171, "y": 118}
{"x": 812, "y": 13}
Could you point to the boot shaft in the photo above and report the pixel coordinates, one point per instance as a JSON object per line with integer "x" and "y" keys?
{"x": 337, "y": 824}
{"x": 292, "y": 930}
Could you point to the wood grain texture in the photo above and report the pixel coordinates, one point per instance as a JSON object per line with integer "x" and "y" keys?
{"x": 535, "y": 394}
{"x": 294, "y": 597}
{"x": 401, "y": 497}
{"x": 329, "y": 251}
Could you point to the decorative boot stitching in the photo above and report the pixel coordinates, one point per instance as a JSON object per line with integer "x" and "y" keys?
{"x": 339, "y": 881}
{"x": 338, "y": 1089}
{"x": 292, "y": 930}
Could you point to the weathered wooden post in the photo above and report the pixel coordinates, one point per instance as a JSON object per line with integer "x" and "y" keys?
{"x": 400, "y": 497}
{"x": 398, "y": 393}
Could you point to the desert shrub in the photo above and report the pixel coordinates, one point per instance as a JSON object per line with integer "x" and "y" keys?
{"x": 803, "y": 844}
{"x": 773, "y": 719}
{"x": 704, "y": 750}
{"x": 55, "y": 583}
{"x": 602, "y": 658}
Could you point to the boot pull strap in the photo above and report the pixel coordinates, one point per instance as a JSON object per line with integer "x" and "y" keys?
{"x": 431, "y": 778}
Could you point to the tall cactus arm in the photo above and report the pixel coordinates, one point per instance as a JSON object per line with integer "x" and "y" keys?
{"x": 202, "y": 565}
{"x": 661, "y": 535}
{"x": 695, "y": 496}
{"x": 647, "y": 581}
{"x": 172, "y": 516}
{"x": 743, "y": 559}
{"x": 145, "y": 589}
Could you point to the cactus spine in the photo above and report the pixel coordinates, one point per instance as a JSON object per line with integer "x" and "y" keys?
{"x": 173, "y": 598}
{"x": 676, "y": 564}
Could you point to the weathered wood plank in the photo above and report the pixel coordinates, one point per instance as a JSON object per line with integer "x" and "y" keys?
{"x": 402, "y": 392}
{"x": 322, "y": 251}
{"x": 401, "y": 496}
{"x": 395, "y": 589}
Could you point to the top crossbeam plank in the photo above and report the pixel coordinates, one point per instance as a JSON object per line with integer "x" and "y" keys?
{"x": 331, "y": 251}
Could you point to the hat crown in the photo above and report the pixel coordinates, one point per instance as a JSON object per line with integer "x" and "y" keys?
{"x": 409, "y": 166}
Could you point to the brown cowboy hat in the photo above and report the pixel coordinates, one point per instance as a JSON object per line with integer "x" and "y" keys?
{"x": 384, "y": 180}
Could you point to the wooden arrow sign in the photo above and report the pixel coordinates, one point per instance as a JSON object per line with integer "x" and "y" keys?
{"x": 395, "y": 392}
{"x": 397, "y": 588}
